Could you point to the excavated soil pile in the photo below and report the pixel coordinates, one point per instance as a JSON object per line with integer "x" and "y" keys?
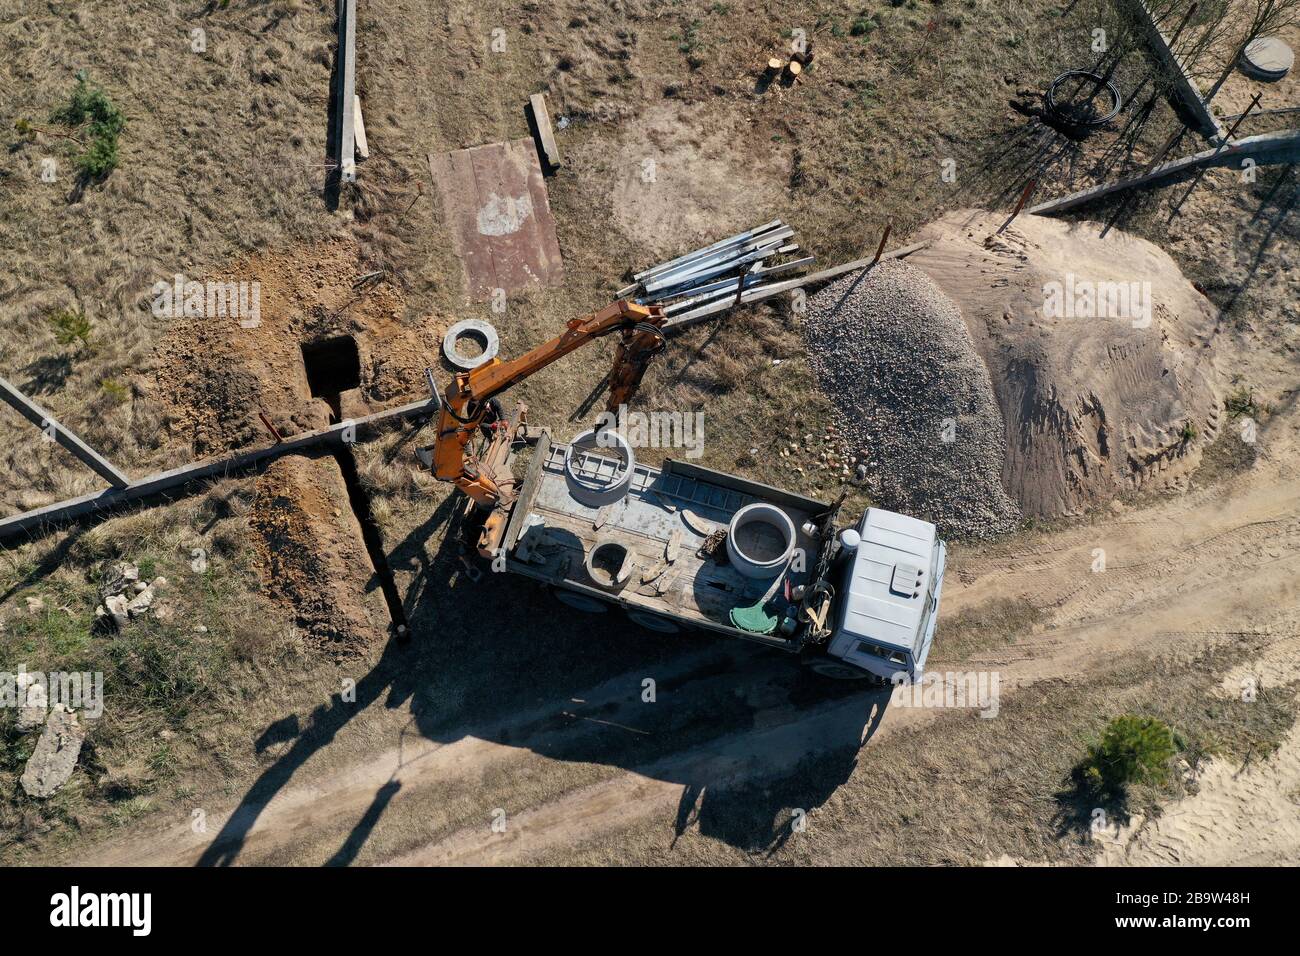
{"x": 913, "y": 398}
{"x": 314, "y": 556}
{"x": 1098, "y": 350}
{"x": 216, "y": 373}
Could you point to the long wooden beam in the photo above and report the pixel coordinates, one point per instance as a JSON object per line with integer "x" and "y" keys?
{"x": 346, "y": 431}
{"x": 56, "y": 432}
{"x": 346, "y": 90}
{"x": 1267, "y": 149}
{"x": 1184, "y": 86}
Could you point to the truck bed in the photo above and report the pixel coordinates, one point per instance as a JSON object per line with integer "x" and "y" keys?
{"x": 692, "y": 590}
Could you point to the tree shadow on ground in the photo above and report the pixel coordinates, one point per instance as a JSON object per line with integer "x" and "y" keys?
{"x": 47, "y": 375}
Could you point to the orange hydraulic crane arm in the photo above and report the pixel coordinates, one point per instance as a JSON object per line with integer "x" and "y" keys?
{"x": 496, "y": 376}
{"x": 466, "y": 405}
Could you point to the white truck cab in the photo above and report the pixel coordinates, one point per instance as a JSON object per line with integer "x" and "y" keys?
{"x": 888, "y": 595}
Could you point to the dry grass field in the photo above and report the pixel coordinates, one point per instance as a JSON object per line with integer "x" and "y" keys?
{"x": 235, "y": 702}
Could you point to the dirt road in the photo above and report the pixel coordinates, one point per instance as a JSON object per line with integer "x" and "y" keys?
{"x": 1203, "y": 568}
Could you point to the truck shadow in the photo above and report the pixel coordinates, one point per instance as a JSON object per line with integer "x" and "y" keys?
{"x": 755, "y": 740}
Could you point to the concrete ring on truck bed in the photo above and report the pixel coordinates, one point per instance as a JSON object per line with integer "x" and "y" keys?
{"x": 610, "y": 565}
{"x": 596, "y": 480}
{"x": 581, "y": 602}
{"x": 760, "y": 540}
{"x": 653, "y": 622}
{"x": 478, "y": 329}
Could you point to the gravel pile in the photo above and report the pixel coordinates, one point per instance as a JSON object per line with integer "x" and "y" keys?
{"x": 913, "y": 399}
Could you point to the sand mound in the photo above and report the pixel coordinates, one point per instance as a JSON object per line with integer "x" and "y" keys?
{"x": 913, "y": 397}
{"x": 1098, "y": 397}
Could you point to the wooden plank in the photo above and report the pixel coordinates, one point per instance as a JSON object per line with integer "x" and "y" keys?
{"x": 548, "y": 259}
{"x": 500, "y": 217}
{"x": 153, "y": 484}
{"x": 545, "y": 134}
{"x": 43, "y": 420}
{"x": 359, "y": 129}
{"x": 453, "y": 175}
{"x": 347, "y": 89}
{"x": 504, "y": 215}
{"x": 1267, "y": 149}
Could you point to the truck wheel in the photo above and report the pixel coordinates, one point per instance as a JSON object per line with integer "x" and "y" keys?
{"x": 581, "y": 602}
{"x": 653, "y": 622}
{"x": 837, "y": 670}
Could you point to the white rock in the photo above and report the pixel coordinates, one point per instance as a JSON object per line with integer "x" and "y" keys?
{"x": 117, "y": 606}
{"x": 140, "y": 603}
{"x": 55, "y": 756}
{"x": 35, "y": 605}
{"x": 32, "y": 702}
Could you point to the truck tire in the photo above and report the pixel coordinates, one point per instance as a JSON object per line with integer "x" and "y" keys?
{"x": 653, "y": 622}
{"x": 836, "y": 670}
{"x": 580, "y": 602}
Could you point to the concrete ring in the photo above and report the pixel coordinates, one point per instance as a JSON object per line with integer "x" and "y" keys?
{"x": 599, "y": 488}
{"x": 475, "y": 327}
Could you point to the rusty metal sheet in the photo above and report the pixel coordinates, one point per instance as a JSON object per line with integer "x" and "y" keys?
{"x": 495, "y": 205}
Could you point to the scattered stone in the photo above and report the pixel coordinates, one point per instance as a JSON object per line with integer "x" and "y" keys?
{"x": 118, "y": 607}
{"x": 892, "y": 352}
{"x": 35, "y": 605}
{"x": 140, "y": 603}
{"x": 32, "y": 703}
{"x": 55, "y": 757}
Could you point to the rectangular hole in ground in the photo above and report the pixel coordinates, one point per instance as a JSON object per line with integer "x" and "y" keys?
{"x": 333, "y": 366}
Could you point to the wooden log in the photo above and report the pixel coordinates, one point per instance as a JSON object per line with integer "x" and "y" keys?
{"x": 792, "y": 70}
{"x": 546, "y": 147}
{"x": 805, "y": 56}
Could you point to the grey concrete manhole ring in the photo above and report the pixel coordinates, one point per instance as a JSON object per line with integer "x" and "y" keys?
{"x": 1267, "y": 58}
{"x": 478, "y": 329}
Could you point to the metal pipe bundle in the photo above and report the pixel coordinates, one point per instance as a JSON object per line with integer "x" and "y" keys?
{"x": 701, "y": 282}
